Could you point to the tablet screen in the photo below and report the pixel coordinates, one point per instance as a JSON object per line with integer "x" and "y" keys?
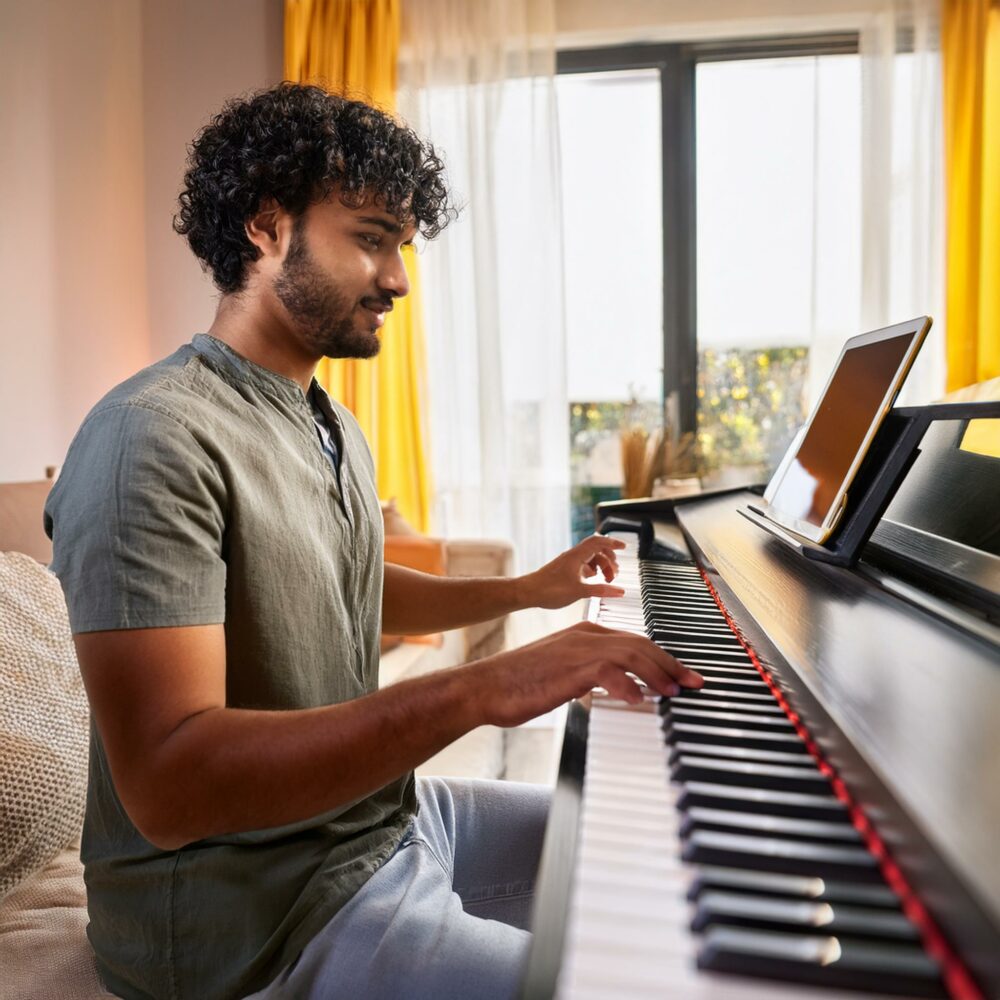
{"x": 853, "y": 400}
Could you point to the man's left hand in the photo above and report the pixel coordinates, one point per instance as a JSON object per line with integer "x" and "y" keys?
{"x": 561, "y": 581}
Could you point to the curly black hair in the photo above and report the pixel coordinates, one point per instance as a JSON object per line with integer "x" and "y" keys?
{"x": 295, "y": 143}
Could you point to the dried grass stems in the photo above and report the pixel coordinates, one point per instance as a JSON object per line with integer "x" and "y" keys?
{"x": 645, "y": 458}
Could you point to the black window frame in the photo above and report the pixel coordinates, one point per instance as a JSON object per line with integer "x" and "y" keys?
{"x": 677, "y": 63}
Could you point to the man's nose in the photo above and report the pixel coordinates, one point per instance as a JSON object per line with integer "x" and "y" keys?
{"x": 393, "y": 277}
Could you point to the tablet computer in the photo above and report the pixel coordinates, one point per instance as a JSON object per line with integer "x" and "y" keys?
{"x": 809, "y": 489}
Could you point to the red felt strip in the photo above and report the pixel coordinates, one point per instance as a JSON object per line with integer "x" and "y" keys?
{"x": 957, "y": 979}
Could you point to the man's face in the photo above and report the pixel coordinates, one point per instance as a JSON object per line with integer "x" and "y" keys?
{"x": 342, "y": 271}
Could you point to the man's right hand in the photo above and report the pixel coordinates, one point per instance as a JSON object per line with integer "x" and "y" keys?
{"x": 518, "y": 685}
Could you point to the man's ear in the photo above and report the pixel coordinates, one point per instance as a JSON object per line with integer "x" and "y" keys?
{"x": 269, "y": 229}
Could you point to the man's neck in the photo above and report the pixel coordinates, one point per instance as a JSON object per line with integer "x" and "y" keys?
{"x": 261, "y": 336}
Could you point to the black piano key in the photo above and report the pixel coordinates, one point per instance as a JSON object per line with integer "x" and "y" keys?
{"x": 663, "y": 566}
{"x": 750, "y": 697}
{"x": 675, "y": 625}
{"x": 709, "y": 655}
{"x": 781, "y": 854}
{"x": 734, "y": 909}
{"x": 722, "y": 682}
{"x": 705, "y": 716}
{"x": 680, "y": 620}
{"x": 753, "y": 739}
{"x": 820, "y": 960}
{"x": 686, "y": 575}
{"x": 709, "y": 877}
{"x": 738, "y": 753}
{"x": 691, "y": 699}
{"x": 729, "y": 820}
{"x": 674, "y": 632}
{"x": 671, "y": 631}
{"x": 678, "y": 613}
{"x": 669, "y": 612}
{"x": 761, "y": 800}
{"x": 722, "y": 669}
{"x": 660, "y": 597}
{"x": 682, "y": 591}
{"x": 749, "y": 773}
{"x": 726, "y": 671}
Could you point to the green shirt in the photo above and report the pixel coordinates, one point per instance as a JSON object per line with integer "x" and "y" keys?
{"x": 197, "y": 492}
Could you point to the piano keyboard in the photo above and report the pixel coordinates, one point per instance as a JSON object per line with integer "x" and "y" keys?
{"x": 713, "y": 857}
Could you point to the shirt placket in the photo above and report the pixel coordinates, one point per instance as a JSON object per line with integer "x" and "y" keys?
{"x": 342, "y": 479}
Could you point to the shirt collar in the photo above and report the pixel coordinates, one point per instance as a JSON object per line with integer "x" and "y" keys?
{"x": 227, "y": 361}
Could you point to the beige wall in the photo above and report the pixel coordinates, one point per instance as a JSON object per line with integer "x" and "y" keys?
{"x": 98, "y": 99}
{"x": 195, "y": 55}
{"x": 72, "y": 271}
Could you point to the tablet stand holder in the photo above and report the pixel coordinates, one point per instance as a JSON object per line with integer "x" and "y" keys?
{"x": 893, "y": 450}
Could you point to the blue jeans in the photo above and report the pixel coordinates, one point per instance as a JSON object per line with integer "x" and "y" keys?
{"x": 447, "y": 915}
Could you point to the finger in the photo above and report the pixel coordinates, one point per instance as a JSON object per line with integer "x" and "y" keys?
{"x": 607, "y": 563}
{"x": 620, "y": 685}
{"x": 589, "y": 570}
{"x": 602, "y": 542}
{"x": 603, "y": 558}
{"x": 684, "y": 675}
{"x": 659, "y": 669}
{"x": 602, "y": 590}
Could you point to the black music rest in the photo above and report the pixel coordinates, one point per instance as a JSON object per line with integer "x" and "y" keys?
{"x": 892, "y": 454}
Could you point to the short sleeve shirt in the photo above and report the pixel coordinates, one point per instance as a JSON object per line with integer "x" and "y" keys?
{"x": 198, "y": 492}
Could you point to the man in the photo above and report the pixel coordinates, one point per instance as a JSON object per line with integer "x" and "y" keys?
{"x": 252, "y": 818}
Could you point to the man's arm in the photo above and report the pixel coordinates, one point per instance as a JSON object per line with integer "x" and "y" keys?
{"x": 414, "y": 602}
{"x": 187, "y": 767}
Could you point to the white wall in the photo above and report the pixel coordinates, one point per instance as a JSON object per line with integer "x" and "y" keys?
{"x": 98, "y": 100}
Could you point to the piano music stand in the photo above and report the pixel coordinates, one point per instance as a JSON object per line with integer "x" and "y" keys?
{"x": 892, "y": 453}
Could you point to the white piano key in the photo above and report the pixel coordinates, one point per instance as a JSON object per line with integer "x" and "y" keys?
{"x": 627, "y": 933}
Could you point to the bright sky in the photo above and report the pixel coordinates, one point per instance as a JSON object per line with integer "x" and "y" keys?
{"x": 779, "y": 196}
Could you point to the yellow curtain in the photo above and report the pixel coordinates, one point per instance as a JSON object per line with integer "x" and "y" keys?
{"x": 970, "y": 45}
{"x": 350, "y": 47}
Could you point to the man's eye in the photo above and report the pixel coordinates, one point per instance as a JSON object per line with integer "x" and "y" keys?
{"x": 372, "y": 240}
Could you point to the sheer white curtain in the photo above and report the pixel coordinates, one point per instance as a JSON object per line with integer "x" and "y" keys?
{"x": 903, "y": 180}
{"x": 478, "y": 80}
{"x": 902, "y": 187}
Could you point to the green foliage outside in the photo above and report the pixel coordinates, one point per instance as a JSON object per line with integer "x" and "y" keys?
{"x": 750, "y": 403}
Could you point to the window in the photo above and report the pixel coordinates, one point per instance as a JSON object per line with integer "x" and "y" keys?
{"x": 742, "y": 162}
{"x": 613, "y": 252}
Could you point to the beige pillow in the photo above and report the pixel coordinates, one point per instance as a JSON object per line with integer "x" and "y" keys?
{"x": 44, "y": 951}
{"x": 43, "y": 722}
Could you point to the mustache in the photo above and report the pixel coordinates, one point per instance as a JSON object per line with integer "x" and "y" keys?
{"x": 379, "y": 302}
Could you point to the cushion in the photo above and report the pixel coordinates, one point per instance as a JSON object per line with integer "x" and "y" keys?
{"x": 424, "y": 554}
{"x": 417, "y": 552}
{"x": 43, "y": 722}
{"x": 394, "y": 522}
{"x": 44, "y": 951}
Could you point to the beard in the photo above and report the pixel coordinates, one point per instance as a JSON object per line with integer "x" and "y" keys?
{"x": 320, "y": 309}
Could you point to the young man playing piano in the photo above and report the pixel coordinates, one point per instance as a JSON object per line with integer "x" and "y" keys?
{"x": 253, "y": 823}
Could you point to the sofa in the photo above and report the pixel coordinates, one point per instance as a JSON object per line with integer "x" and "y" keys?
{"x": 44, "y": 952}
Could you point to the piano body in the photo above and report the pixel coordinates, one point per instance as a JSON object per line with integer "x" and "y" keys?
{"x": 823, "y": 818}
